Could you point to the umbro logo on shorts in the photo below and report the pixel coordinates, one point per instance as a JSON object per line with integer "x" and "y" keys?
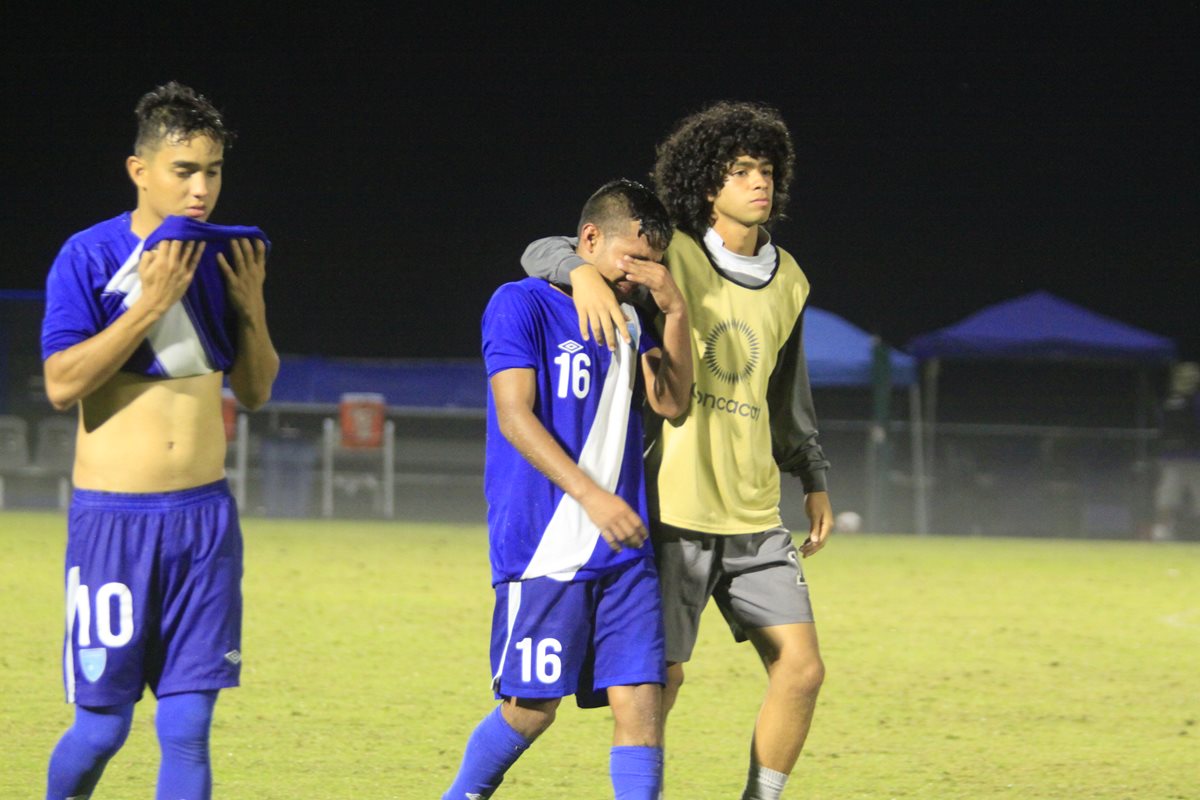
{"x": 234, "y": 657}
{"x": 571, "y": 346}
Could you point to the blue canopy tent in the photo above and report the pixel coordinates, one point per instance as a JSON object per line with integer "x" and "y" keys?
{"x": 1038, "y": 327}
{"x": 842, "y": 355}
{"x": 1043, "y": 327}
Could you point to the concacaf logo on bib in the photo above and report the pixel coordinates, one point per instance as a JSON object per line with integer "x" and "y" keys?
{"x": 731, "y": 351}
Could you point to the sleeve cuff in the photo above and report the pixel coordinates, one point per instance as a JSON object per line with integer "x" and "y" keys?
{"x": 816, "y": 481}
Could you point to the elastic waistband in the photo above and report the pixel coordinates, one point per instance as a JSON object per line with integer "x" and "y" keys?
{"x": 150, "y": 501}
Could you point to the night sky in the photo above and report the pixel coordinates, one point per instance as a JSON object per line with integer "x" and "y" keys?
{"x": 946, "y": 159}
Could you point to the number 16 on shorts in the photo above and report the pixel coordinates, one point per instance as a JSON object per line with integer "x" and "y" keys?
{"x": 542, "y": 659}
{"x": 539, "y": 639}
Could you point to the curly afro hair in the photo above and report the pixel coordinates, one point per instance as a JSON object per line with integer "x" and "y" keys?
{"x": 694, "y": 160}
{"x": 177, "y": 111}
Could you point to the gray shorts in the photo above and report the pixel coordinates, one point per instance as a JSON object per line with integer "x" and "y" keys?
{"x": 756, "y": 579}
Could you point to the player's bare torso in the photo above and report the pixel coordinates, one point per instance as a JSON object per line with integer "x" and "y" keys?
{"x": 140, "y": 434}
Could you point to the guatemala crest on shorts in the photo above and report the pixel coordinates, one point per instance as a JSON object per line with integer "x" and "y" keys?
{"x": 92, "y": 661}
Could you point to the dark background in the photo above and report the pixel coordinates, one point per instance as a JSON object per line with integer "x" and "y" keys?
{"x": 948, "y": 158}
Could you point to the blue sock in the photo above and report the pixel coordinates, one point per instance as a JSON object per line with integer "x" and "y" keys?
{"x": 636, "y": 772}
{"x": 82, "y": 753}
{"x": 183, "y": 722}
{"x": 493, "y": 747}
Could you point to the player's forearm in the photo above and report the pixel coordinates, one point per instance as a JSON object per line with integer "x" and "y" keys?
{"x": 256, "y": 365}
{"x": 795, "y": 444}
{"x": 81, "y": 369}
{"x": 551, "y": 259}
{"x": 793, "y": 416}
{"x": 673, "y": 378}
{"x": 526, "y": 433}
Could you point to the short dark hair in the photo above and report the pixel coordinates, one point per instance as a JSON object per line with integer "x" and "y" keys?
{"x": 695, "y": 158}
{"x": 177, "y": 111}
{"x": 616, "y": 203}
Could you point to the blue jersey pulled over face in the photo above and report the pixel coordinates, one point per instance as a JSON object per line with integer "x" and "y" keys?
{"x": 587, "y": 400}
{"x": 95, "y": 279}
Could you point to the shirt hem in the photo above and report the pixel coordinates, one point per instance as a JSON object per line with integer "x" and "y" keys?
{"x": 736, "y": 529}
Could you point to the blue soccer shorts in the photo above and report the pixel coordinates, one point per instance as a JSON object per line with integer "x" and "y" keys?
{"x": 153, "y": 594}
{"x": 552, "y": 639}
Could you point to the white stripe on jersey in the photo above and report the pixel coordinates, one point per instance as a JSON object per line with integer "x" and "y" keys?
{"x": 570, "y": 536}
{"x": 126, "y": 279}
{"x": 173, "y": 338}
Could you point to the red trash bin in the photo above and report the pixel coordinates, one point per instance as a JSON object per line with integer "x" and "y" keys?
{"x": 362, "y": 416}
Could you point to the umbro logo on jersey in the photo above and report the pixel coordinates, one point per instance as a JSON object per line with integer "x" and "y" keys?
{"x": 234, "y": 657}
{"x": 571, "y": 346}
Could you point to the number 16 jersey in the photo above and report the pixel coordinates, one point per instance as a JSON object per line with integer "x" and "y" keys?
{"x": 589, "y": 401}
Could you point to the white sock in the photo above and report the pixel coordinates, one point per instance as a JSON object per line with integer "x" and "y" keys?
{"x": 764, "y": 784}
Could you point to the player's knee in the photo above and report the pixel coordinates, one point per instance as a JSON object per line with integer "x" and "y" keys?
{"x": 803, "y": 674}
{"x": 813, "y": 675}
{"x": 637, "y": 714}
{"x": 184, "y": 745}
{"x": 671, "y": 689}
{"x": 674, "y": 679}
{"x": 530, "y": 718}
{"x": 549, "y": 711}
{"x": 102, "y": 731}
{"x": 183, "y": 723}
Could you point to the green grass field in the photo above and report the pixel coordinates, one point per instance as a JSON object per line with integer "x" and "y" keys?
{"x": 957, "y": 668}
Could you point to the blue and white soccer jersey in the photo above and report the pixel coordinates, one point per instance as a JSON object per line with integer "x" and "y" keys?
{"x": 585, "y": 400}
{"x": 95, "y": 279}
{"x": 153, "y": 594}
{"x": 551, "y": 638}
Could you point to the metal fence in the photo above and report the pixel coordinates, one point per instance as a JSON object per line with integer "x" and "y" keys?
{"x": 996, "y": 479}
{"x": 980, "y": 479}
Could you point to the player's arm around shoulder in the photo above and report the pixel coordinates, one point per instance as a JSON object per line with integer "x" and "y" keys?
{"x": 514, "y": 393}
{"x": 256, "y": 364}
{"x": 555, "y": 259}
{"x": 668, "y": 370}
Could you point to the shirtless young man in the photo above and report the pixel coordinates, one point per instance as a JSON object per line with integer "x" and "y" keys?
{"x": 146, "y": 313}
